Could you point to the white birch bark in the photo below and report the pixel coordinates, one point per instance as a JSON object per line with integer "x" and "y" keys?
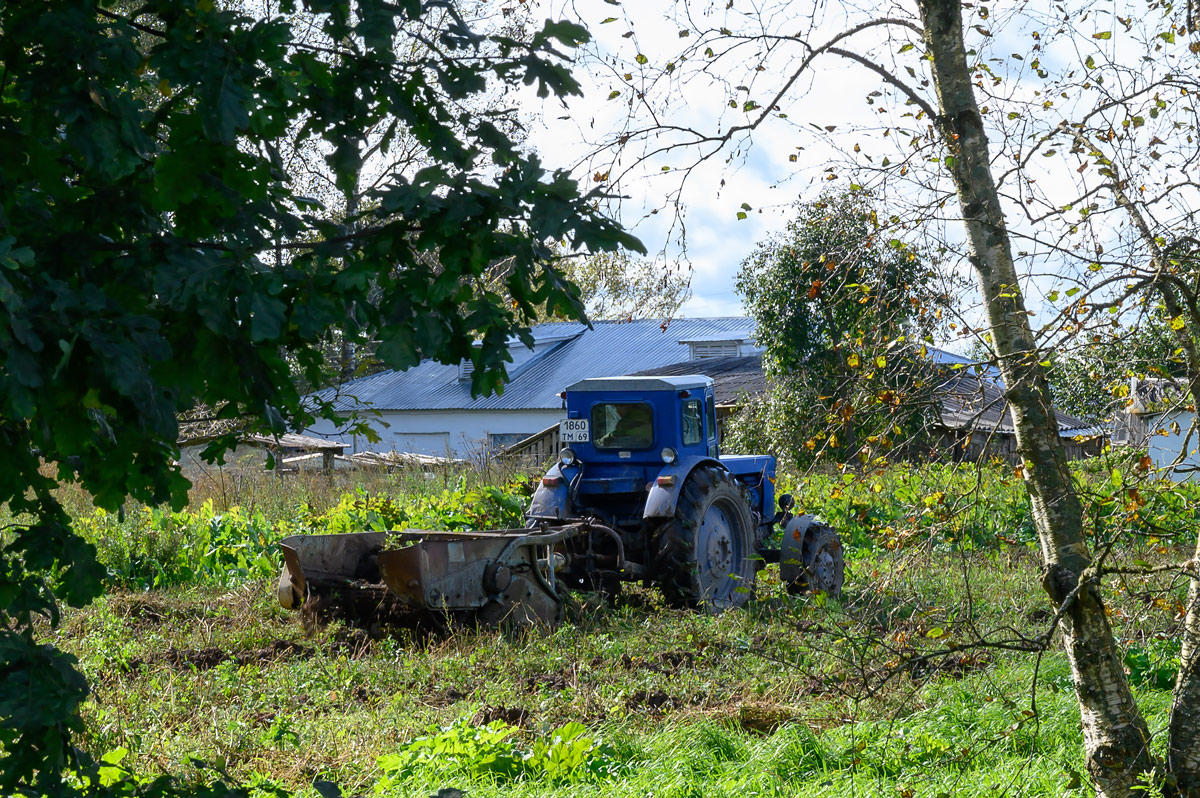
{"x": 1115, "y": 734}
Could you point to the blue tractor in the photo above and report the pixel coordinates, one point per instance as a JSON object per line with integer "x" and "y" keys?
{"x": 641, "y": 466}
{"x": 640, "y": 492}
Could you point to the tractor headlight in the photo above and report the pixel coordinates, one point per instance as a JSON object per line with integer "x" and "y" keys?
{"x": 669, "y": 455}
{"x": 566, "y": 457}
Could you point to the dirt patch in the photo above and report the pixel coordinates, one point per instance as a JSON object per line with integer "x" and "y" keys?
{"x": 352, "y": 642}
{"x": 956, "y": 666}
{"x": 650, "y": 699}
{"x": 674, "y": 660}
{"x": 208, "y": 658}
{"x": 547, "y": 681}
{"x": 140, "y": 611}
{"x": 1040, "y": 615}
{"x": 513, "y": 716}
{"x": 663, "y": 662}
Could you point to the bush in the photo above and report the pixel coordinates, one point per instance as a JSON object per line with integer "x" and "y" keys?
{"x": 568, "y": 755}
{"x": 150, "y": 547}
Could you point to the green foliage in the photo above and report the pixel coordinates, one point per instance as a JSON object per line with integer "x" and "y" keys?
{"x": 1092, "y": 380}
{"x": 157, "y": 548}
{"x": 615, "y": 285}
{"x": 154, "y": 255}
{"x": 1156, "y": 664}
{"x": 460, "y": 508}
{"x": 948, "y": 506}
{"x": 568, "y": 755}
{"x": 969, "y": 507}
{"x": 154, "y": 547}
{"x": 841, "y": 308}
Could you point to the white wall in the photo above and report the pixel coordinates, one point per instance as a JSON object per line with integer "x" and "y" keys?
{"x": 457, "y": 433}
{"x": 1169, "y": 433}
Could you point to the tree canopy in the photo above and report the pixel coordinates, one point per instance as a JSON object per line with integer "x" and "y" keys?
{"x": 155, "y": 255}
{"x": 843, "y": 310}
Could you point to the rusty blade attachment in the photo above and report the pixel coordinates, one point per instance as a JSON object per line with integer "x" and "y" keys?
{"x": 494, "y": 576}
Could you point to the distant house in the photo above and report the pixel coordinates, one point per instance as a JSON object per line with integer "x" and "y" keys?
{"x": 971, "y": 418}
{"x": 428, "y": 409}
{"x": 976, "y": 421}
{"x": 1161, "y": 419}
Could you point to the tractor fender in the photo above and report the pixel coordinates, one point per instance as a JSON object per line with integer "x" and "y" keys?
{"x": 661, "y": 499}
{"x": 551, "y": 501}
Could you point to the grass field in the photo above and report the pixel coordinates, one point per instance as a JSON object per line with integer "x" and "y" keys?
{"x": 891, "y": 691}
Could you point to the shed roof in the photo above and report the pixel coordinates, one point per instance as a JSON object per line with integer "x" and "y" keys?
{"x": 969, "y": 402}
{"x": 732, "y": 377}
{"x": 564, "y": 353}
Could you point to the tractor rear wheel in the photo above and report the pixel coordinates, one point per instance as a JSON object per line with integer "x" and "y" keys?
{"x": 704, "y": 555}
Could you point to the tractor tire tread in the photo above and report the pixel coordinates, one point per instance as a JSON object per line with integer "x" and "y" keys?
{"x": 674, "y": 545}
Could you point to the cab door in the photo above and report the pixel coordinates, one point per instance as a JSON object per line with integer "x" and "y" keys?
{"x": 710, "y": 424}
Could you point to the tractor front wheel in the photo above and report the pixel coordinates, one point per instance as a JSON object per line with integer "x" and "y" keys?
{"x": 704, "y": 554}
{"x": 810, "y": 558}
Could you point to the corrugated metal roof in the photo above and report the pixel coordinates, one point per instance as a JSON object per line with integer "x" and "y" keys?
{"x": 969, "y": 402}
{"x": 565, "y": 352}
{"x": 733, "y": 377}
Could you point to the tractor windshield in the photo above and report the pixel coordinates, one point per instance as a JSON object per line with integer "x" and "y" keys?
{"x": 622, "y": 425}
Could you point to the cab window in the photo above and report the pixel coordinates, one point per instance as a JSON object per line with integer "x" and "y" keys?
{"x": 693, "y": 422}
{"x": 622, "y": 425}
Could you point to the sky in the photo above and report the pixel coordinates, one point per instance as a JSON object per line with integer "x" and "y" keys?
{"x": 794, "y": 158}
{"x": 710, "y": 234}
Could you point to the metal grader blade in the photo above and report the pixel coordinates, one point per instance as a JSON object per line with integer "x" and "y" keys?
{"x": 497, "y": 575}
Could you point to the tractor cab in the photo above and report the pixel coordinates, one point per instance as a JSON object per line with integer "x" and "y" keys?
{"x": 644, "y": 421}
{"x": 629, "y": 444}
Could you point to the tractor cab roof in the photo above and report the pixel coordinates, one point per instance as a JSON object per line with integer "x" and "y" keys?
{"x": 696, "y": 381}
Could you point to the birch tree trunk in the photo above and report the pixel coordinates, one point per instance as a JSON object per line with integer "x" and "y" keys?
{"x": 1183, "y": 731}
{"x": 1115, "y": 734}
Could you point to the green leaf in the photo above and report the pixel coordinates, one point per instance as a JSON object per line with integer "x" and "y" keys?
{"x": 641, "y": 59}
{"x": 1102, "y": 35}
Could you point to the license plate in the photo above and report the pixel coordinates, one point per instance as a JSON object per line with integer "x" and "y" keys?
{"x": 573, "y": 430}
